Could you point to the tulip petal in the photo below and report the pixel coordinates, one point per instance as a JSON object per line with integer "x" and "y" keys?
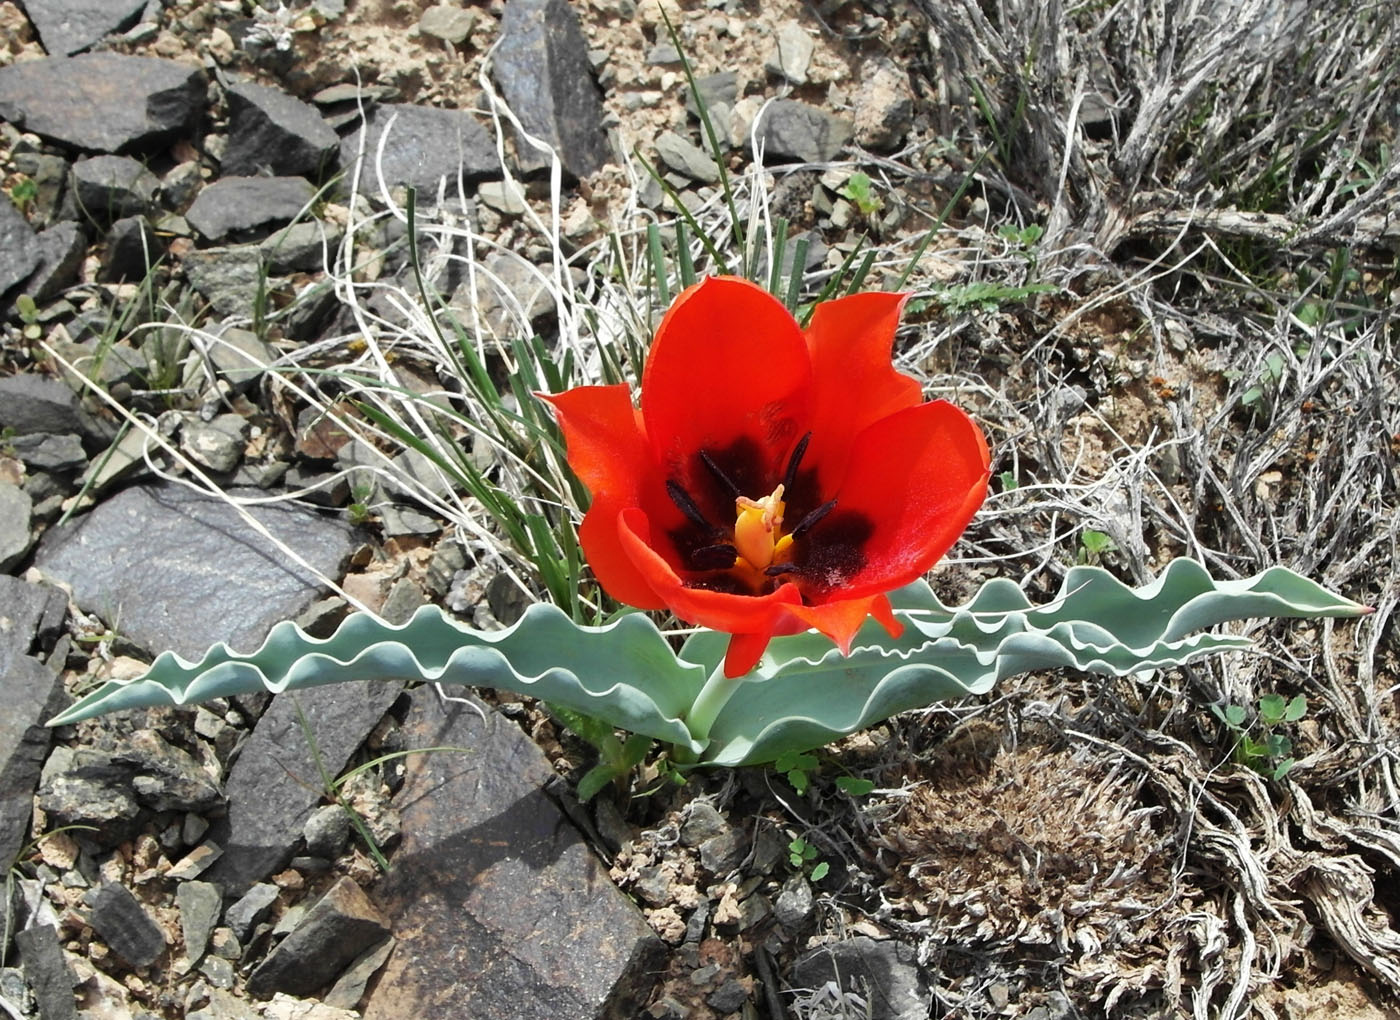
{"x": 744, "y": 652}
{"x": 728, "y": 375}
{"x": 609, "y": 453}
{"x": 912, "y": 485}
{"x": 850, "y": 341}
{"x": 718, "y": 610}
{"x": 841, "y": 619}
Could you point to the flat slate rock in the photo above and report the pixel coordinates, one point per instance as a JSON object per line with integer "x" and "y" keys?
{"x": 340, "y": 926}
{"x": 47, "y": 972}
{"x": 121, "y": 922}
{"x": 180, "y": 570}
{"x": 424, "y": 145}
{"x": 236, "y": 205}
{"x": 885, "y": 972}
{"x": 32, "y": 694}
{"x": 108, "y": 187}
{"x": 39, "y": 403}
{"x": 102, "y": 102}
{"x": 541, "y": 65}
{"x": 61, "y": 250}
{"x": 274, "y": 133}
{"x": 492, "y": 881}
{"x": 792, "y": 130}
{"x": 66, "y": 27}
{"x": 19, "y": 249}
{"x": 275, "y": 784}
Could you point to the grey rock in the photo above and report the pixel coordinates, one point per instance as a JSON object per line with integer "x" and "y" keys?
{"x": 133, "y": 247}
{"x": 792, "y": 51}
{"x": 274, "y": 785}
{"x": 216, "y": 444}
{"x": 244, "y": 916}
{"x": 794, "y": 131}
{"x": 67, "y": 26}
{"x": 885, "y": 973}
{"x": 124, "y": 925}
{"x": 102, "y": 102}
{"x": 16, "y": 509}
{"x": 544, "y": 74}
{"x": 37, "y": 403}
{"x": 702, "y": 821}
{"x": 238, "y": 205}
{"x": 686, "y": 158}
{"x": 28, "y": 613}
{"x": 47, "y": 972}
{"x": 334, "y": 932}
{"x": 327, "y": 832}
{"x": 485, "y": 814}
{"x": 199, "y": 904}
{"x": 424, "y": 145}
{"x": 209, "y": 558}
{"x": 306, "y": 246}
{"x": 728, "y": 997}
{"x": 106, "y": 788}
{"x": 220, "y": 974}
{"x": 82, "y": 787}
{"x": 107, "y": 188}
{"x": 350, "y": 986}
{"x": 180, "y": 184}
{"x": 794, "y": 905}
{"x": 228, "y": 278}
{"x": 721, "y": 854}
{"x": 273, "y": 133}
{"x": 504, "y": 197}
{"x": 505, "y": 287}
{"x": 19, "y": 248}
{"x": 241, "y": 356}
{"x": 448, "y": 23}
{"x": 663, "y": 54}
{"x": 719, "y": 89}
{"x": 61, "y": 249}
{"x": 883, "y": 107}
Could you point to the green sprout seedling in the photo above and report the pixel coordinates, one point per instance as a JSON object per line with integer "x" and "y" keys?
{"x": 1093, "y": 546}
{"x": 859, "y": 189}
{"x": 1272, "y": 756}
{"x": 616, "y": 757}
{"x": 804, "y": 857}
{"x": 796, "y": 765}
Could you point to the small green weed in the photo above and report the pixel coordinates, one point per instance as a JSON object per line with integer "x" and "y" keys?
{"x": 616, "y": 758}
{"x": 1093, "y": 546}
{"x": 23, "y": 193}
{"x": 987, "y": 296}
{"x": 1273, "y": 755}
{"x": 805, "y": 857}
{"x": 860, "y": 190}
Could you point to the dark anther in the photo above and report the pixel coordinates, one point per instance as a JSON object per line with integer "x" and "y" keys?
{"x": 790, "y": 477}
{"x": 687, "y": 506}
{"x": 779, "y": 569}
{"x": 810, "y": 521}
{"x": 713, "y": 557}
{"x": 720, "y": 476}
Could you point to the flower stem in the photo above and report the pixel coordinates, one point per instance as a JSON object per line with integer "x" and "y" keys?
{"x": 711, "y": 700}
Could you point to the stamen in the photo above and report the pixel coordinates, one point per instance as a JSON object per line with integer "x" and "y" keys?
{"x": 720, "y": 476}
{"x": 812, "y": 519}
{"x": 713, "y": 557}
{"x": 790, "y": 477}
{"x": 687, "y": 506}
{"x": 779, "y": 569}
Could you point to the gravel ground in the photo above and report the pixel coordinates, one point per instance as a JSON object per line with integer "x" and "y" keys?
{"x": 1162, "y": 278}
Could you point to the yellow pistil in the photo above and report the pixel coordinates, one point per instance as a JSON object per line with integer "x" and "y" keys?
{"x": 758, "y": 529}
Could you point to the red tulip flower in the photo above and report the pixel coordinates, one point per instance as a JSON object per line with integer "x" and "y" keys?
{"x": 773, "y": 479}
